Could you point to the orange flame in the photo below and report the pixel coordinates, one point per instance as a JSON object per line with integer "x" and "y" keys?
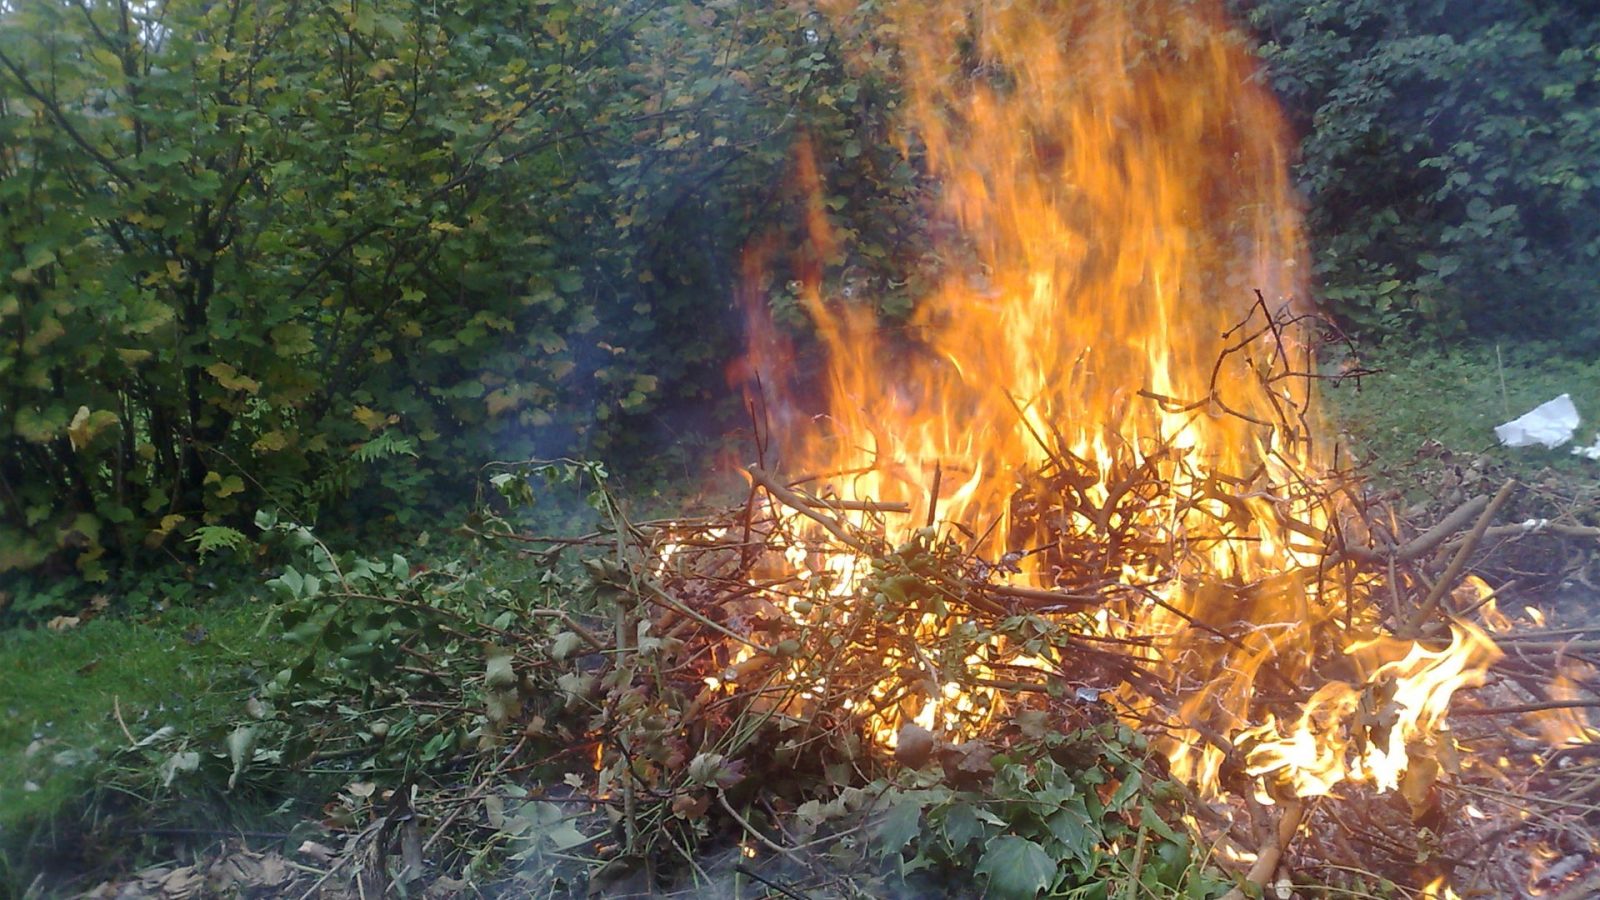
{"x": 1570, "y": 726}
{"x": 1118, "y": 177}
{"x": 1402, "y": 703}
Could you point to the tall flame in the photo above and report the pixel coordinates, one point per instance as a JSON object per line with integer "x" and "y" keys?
{"x": 1119, "y": 179}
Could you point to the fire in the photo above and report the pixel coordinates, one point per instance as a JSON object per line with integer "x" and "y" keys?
{"x": 1118, "y": 177}
{"x": 1362, "y": 732}
{"x": 1570, "y": 726}
{"x": 1437, "y": 889}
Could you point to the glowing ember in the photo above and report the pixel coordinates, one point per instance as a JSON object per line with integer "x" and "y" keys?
{"x": 1119, "y": 182}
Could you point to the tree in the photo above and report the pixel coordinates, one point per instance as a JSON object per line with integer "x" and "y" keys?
{"x": 1448, "y": 156}
{"x": 253, "y": 247}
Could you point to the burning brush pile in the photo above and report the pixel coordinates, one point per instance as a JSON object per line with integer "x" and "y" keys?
{"x": 1060, "y": 586}
{"x": 1084, "y": 488}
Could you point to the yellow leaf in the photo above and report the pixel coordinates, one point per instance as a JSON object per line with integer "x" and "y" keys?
{"x": 85, "y": 425}
{"x": 231, "y": 485}
{"x": 230, "y": 379}
{"x": 369, "y": 417}
{"x": 40, "y": 428}
{"x": 272, "y": 441}
{"x": 502, "y": 400}
{"x": 174, "y": 270}
{"x": 382, "y": 354}
{"x": 43, "y": 334}
{"x": 78, "y": 428}
{"x": 133, "y": 356}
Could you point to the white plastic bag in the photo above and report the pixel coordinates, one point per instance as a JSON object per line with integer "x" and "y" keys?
{"x": 1550, "y": 424}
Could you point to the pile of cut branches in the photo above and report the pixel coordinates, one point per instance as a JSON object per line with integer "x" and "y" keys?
{"x": 781, "y": 697}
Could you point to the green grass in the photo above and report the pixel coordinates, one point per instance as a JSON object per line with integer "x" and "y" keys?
{"x": 1456, "y": 397}
{"x": 190, "y": 668}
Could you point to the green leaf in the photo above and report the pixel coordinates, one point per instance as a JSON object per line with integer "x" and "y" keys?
{"x": 961, "y": 826}
{"x": 211, "y": 538}
{"x": 901, "y": 825}
{"x": 1016, "y": 867}
{"x": 1128, "y": 788}
{"x": 1071, "y": 827}
{"x": 241, "y": 749}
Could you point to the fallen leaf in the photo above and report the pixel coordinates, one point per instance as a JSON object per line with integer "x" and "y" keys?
{"x": 241, "y": 747}
{"x": 183, "y": 761}
{"x": 913, "y": 745}
{"x": 322, "y": 853}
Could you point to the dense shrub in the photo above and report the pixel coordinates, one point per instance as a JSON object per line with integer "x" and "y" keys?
{"x": 321, "y": 256}
{"x": 1450, "y": 157}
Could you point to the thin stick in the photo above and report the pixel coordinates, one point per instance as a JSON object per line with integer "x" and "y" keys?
{"x": 722, "y": 798}
{"x": 1042, "y": 596}
{"x": 116, "y": 709}
{"x": 566, "y": 619}
{"x": 476, "y": 793}
{"x": 1423, "y": 543}
{"x": 798, "y": 504}
{"x": 743, "y": 869}
{"x": 1500, "y": 367}
{"x": 1272, "y": 851}
{"x": 1459, "y": 562}
{"x": 1593, "y": 703}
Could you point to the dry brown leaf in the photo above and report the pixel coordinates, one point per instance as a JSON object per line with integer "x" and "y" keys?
{"x": 184, "y": 882}
{"x": 63, "y": 623}
{"x": 322, "y": 853}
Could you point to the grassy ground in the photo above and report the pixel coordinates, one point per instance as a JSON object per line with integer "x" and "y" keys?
{"x": 1455, "y": 398}
{"x": 61, "y": 738}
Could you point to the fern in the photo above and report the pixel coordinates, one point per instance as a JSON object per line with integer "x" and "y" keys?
{"x": 384, "y": 446}
{"x": 210, "y": 538}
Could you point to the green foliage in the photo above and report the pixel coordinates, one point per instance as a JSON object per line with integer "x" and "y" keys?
{"x": 1071, "y": 815}
{"x": 319, "y": 256}
{"x": 211, "y": 538}
{"x": 1449, "y": 156}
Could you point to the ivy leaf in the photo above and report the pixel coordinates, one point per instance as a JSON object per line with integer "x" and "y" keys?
{"x": 1016, "y": 867}
{"x": 1127, "y": 789}
{"x": 961, "y": 826}
{"x": 901, "y": 825}
{"x": 1070, "y": 826}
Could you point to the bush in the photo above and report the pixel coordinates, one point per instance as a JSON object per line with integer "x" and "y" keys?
{"x": 1449, "y": 159}
{"x": 320, "y": 257}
